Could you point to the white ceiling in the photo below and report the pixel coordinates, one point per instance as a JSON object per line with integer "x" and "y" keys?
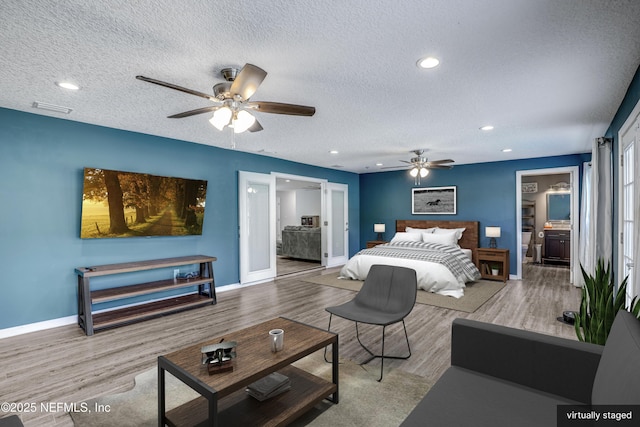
{"x": 548, "y": 74}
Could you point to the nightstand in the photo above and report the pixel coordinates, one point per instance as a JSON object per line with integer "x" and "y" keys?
{"x": 492, "y": 261}
{"x": 372, "y": 243}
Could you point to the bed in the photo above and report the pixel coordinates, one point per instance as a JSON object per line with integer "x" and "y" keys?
{"x": 443, "y": 254}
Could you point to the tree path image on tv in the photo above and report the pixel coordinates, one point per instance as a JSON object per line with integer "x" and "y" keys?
{"x": 126, "y": 204}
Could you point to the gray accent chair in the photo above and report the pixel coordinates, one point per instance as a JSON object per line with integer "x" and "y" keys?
{"x": 502, "y": 376}
{"x": 387, "y": 296}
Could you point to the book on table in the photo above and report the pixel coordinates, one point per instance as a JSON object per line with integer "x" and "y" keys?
{"x": 269, "y": 386}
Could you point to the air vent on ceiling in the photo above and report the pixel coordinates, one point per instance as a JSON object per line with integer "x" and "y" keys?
{"x": 52, "y": 107}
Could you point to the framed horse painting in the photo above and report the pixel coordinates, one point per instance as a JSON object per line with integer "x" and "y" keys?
{"x": 433, "y": 200}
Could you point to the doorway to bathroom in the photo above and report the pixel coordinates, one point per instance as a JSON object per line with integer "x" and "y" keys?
{"x": 547, "y": 218}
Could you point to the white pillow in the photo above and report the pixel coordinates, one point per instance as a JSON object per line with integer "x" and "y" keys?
{"x": 458, "y": 231}
{"x": 448, "y": 239}
{"x": 419, "y": 230}
{"x": 406, "y": 237}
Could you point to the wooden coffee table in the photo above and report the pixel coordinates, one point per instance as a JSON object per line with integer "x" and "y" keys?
{"x": 224, "y": 401}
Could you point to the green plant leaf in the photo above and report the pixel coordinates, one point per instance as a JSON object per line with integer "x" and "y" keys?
{"x": 600, "y": 304}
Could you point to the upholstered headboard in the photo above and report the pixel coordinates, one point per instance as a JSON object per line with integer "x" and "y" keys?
{"x": 470, "y": 238}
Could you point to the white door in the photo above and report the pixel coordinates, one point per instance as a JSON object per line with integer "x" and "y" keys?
{"x": 337, "y": 224}
{"x": 628, "y": 204}
{"x": 257, "y": 223}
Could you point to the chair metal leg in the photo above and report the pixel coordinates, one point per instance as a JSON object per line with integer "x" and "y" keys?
{"x": 382, "y": 356}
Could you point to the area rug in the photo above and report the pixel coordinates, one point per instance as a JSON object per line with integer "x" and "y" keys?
{"x": 475, "y": 294}
{"x": 363, "y": 400}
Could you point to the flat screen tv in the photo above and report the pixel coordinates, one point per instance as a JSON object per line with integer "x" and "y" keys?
{"x": 129, "y": 204}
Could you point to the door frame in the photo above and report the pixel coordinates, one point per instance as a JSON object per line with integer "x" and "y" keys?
{"x": 323, "y": 221}
{"x": 574, "y": 174}
{"x": 323, "y": 185}
{"x": 630, "y": 124}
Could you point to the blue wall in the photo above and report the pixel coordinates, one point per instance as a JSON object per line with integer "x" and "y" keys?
{"x": 41, "y": 171}
{"x": 486, "y": 192}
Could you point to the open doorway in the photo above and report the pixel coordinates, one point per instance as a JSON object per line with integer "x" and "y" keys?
{"x": 547, "y": 218}
{"x": 259, "y": 220}
{"x": 298, "y": 227}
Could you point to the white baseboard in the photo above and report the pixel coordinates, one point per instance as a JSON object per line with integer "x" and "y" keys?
{"x": 38, "y": 326}
{"x": 240, "y": 286}
{"x": 70, "y": 320}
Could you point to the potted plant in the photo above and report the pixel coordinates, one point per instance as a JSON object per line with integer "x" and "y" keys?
{"x": 495, "y": 269}
{"x": 600, "y": 303}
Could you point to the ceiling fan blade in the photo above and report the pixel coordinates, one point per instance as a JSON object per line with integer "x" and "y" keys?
{"x": 439, "y": 167}
{"x": 280, "y": 108}
{"x": 437, "y": 162}
{"x": 247, "y": 81}
{"x": 255, "y": 127}
{"x": 194, "y": 112}
{"x": 394, "y": 167}
{"x": 180, "y": 88}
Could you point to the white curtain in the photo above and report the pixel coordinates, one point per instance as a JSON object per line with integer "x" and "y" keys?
{"x": 596, "y": 220}
{"x": 586, "y": 218}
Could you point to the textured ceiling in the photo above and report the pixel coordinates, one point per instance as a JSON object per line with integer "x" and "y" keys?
{"x": 548, "y": 74}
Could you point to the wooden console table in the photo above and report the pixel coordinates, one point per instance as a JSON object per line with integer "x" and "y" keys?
{"x": 224, "y": 401}
{"x": 91, "y": 322}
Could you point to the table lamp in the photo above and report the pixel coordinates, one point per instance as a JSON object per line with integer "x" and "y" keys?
{"x": 379, "y": 228}
{"x": 492, "y": 233}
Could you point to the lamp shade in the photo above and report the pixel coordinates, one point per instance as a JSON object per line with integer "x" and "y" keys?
{"x": 378, "y": 228}
{"x": 243, "y": 121}
{"x": 492, "y": 231}
{"x": 221, "y": 117}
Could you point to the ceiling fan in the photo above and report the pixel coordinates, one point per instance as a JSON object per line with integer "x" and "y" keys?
{"x": 231, "y": 98}
{"x": 420, "y": 165}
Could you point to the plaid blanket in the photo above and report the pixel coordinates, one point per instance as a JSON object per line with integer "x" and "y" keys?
{"x": 450, "y": 256}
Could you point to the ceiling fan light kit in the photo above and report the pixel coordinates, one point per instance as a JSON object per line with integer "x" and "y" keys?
{"x": 239, "y": 121}
{"x": 422, "y": 171}
{"x": 221, "y": 118}
{"x": 233, "y": 102}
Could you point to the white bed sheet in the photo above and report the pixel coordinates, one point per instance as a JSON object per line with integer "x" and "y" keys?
{"x": 431, "y": 277}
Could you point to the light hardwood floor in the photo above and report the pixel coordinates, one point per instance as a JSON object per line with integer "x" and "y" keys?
{"x": 63, "y": 365}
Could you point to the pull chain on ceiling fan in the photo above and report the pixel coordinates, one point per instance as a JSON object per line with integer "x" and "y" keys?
{"x": 232, "y": 99}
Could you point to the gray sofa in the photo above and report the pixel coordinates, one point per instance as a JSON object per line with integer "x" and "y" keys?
{"x": 302, "y": 242}
{"x": 502, "y": 376}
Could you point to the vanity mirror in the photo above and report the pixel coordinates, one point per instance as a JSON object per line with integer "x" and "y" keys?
{"x": 559, "y": 206}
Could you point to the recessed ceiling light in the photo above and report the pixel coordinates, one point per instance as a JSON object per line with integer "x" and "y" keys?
{"x": 333, "y": 151}
{"x": 429, "y": 62}
{"x": 487, "y": 127}
{"x": 507, "y": 150}
{"x": 378, "y": 164}
{"x": 68, "y": 85}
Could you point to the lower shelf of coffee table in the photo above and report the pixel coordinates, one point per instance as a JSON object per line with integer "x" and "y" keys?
{"x": 243, "y": 410}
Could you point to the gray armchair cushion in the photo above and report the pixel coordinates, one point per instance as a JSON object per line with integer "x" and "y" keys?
{"x": 466, "y": 398}
{"x": 618, "y": 378}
